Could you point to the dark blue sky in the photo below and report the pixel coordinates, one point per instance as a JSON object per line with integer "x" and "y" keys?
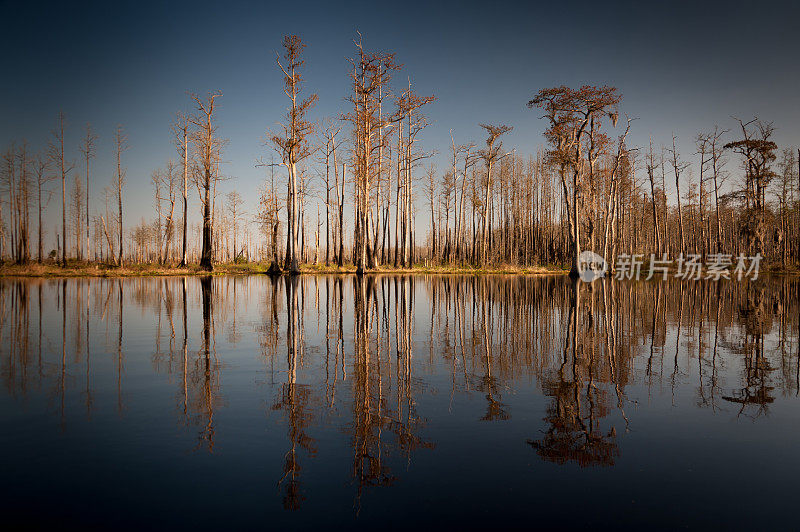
{"x": 681, "y": 67}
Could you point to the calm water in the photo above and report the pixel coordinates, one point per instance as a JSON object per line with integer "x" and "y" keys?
{"x": 453, "y": 402}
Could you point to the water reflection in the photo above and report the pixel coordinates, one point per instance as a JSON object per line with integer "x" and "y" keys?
{"x": 380, "y": 368}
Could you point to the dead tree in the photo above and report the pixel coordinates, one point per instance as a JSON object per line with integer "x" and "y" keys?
{"x": 56, "y": 152}
{"x": 121, "y": 144}
{"x": 651, "y": 168}
{"x": 181, "y": 131}
{"x": 88, "y": 151}
{"x": 678, "y": 166}
{"x": 490, "y": 155}
{"x": 208, "y": 149}
{"x": 758, "y": 153}
{"x": 171, "y": 182}
{"x": 329, "y": 132}
{"x": 573, "y": 114}
{"x": 77, "y": 214}
{"x": 235, "y": 212}
{"x": 292, "y": 145}
{"x": 43, "y": 176}
{"x": 370, "y": 75}
{"x": 409, "y": 109}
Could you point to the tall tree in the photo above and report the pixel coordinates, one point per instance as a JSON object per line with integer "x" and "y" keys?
{"x": 181, "y": 131}
{"x": 292, "y": 144}
{"x": 652, "y": 164}
{"x": 235, "y": 212}
{"x": 56, "y": 152}
{"x": 678, "y": 167}
{"x": 88, "y": 151}
{"x": 121, "y": 144}
{"x": 208, "y": 147}
{"x": 490, "y": 155}
{"x": 329, "y": 131}
{"x": 758, "y": 153}
{"x": 574, "y": 114}
{"x": 409, "y": 109}
{"x": 370, "y": 75}
{"x": 43, "y": 176}
{"x": 77, "y": 214}
{"x": 171, "y": 184}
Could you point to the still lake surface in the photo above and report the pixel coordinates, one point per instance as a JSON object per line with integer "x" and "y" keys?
{"x": 397, "y": 402}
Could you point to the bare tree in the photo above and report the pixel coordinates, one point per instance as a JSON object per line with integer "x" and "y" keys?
{"x": 88, "y": 151}
{"x": 43, "y": 176}
{"x": 208, "y": 148}
{"x": 56, "y": 152}
{"x": 430, "y": 188}
{"x": 574, "y": 115}
{"x": 268, "y": 219}
{"x": 329, "y": 132}
{"x": 718, "y": 175}
{"x": 652, "y": 164}
{"x": 76, "y": 204}
{"x": 370, "y": 75}
{"x": 291, "y": 144}
{"x": 181, "y": 130}
{"x": 490, "y": 155}
{"x": 171, "y": 184}
{"x": 678, "y": 166}
{"x": 121, "y": 144}
{"x": 409, "y": 109}
{"x": 235, "y": 212}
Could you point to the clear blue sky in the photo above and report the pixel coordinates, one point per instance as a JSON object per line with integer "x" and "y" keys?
{"x": 681, "y": 67}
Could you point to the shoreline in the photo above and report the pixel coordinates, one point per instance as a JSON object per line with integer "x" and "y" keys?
{"x": 52, "y": 270}
{"x": 84, "y": 270}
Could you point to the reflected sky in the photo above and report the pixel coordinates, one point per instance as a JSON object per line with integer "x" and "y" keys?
{"x": 459, "y": 401}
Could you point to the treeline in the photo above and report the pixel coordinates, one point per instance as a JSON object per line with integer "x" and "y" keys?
{"x": 350, "y": 189}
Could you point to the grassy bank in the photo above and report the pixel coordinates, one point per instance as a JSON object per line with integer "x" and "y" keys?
{"x": 83, "y": 269}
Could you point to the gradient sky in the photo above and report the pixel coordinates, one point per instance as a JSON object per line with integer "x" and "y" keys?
{"x": 681, "y": 67}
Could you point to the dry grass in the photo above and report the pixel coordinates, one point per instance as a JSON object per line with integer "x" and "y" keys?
{"x": 84, "y": 269}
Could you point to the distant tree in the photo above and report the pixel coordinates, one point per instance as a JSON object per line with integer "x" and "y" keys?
{"x": 430, "y": 189}
{"x": 157, "y": 178}
{"x": 268, "y": 220}
{"x": 785, "y": 193}
{"x": 171, "y": 184}
{"x": 235, "y": 212}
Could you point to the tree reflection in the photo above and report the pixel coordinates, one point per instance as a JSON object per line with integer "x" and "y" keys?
{"x": 371, "y": 358}
{"x": 756, "y": 393}
{"x": 295, "y": 403}
{"x": 578, "y": 403}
